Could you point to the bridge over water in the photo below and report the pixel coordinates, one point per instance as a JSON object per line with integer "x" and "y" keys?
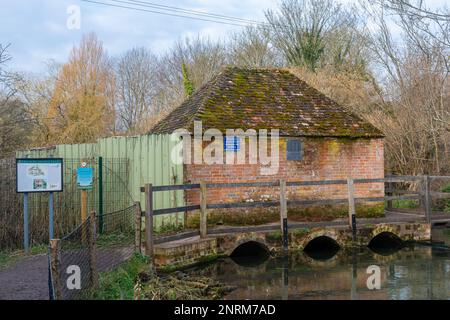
{"x": 189, "y": 247}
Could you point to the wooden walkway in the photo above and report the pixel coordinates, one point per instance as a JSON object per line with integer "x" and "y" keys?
{"x": 395, "y": 216}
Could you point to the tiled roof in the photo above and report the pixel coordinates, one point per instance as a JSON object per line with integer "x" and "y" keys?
{"x": 265, "y": 99}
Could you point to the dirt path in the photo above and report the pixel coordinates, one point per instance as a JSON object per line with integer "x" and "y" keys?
{"x": 27, "y": 279}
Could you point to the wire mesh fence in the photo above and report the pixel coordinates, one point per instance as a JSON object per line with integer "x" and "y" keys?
{"x": 117, "y": 241}
{"x": 86, "y": 251}
{"x": 110, "y": 193}
{"x": 75, "y": 257}
{"x": 11, "y": 221}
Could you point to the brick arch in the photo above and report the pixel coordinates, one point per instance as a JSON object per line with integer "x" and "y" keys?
{"x": 384, "y": 228}
{"x": 246, "y": 239}
{"x": 320, "y": 233}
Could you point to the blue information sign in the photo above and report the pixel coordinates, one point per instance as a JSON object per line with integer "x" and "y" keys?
{"x": 231, "y": 143}
{"x": 85, "y": 178}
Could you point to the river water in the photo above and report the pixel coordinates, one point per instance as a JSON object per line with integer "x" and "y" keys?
{"x": 413, "y": 272}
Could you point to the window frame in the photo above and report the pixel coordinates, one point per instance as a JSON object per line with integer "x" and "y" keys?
{"x": 300, "y": 152}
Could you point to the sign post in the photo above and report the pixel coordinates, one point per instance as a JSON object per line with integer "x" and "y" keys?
{"x": 85, "y": 179}
{"x": 26, "y": 239}
{"x": 34, "y": 176}
{"x": 51, "y": 224}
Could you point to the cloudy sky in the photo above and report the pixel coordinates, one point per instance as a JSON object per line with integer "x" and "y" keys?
{"x": 37, "y": 29}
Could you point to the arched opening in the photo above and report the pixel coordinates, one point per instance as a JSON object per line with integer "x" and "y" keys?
{"x": 249, "y": 254}
{"x": 385, "y": 243}
{"x": 322, "y": 248}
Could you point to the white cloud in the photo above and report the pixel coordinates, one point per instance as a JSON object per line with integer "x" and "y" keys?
{"x": 37, "y": 28}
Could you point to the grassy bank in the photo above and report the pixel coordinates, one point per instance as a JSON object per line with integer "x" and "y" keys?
{"x": 8, "y": 258}
{"x": 120, "y": 284}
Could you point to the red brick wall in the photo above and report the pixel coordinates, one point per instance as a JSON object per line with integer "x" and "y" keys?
{"x": 323, "y": 159}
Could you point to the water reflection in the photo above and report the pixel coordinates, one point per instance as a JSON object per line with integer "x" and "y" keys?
{"x": 412, "y": 272}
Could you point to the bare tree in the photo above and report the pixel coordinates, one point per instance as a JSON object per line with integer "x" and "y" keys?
{"x": 252, "y": 48}
{"x": 435, "y": 23}
{"x": 136, "y": 88}
{"x": 15, "y": 126}
{"x": 6, "y": 77}
{"x": 202, "y": 58}
{"x": 299, "y": 28}
{"x": 415, "y": 108}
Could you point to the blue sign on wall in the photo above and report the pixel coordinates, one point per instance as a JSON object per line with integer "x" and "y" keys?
{"x": 85, "y": 178}
{"x": 232, "y": 143}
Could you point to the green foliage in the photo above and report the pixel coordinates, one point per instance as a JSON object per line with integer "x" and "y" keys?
{"x": 187, "y": 83}
{"x": 405, "y": 204}
{"x": 274, "y": 236}
{"x": 169, "y": 228}
{"x": 5, "y": 259}
{"x": 119, "y": 283}
{"x": 9, "y": 258}
{"x": 301, "y": 232}
{"x": 446, "y": 202}
{"x": 312, "y": 49}
{"x": 115, "y": 239}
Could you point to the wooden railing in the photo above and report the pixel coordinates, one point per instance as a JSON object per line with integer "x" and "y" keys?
{"x": 423, "y": 196}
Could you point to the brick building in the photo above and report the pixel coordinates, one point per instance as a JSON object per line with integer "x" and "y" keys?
{"x": 319, "y": 140}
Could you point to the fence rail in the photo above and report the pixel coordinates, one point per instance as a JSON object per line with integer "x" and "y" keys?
{"x": 424, "y": 196}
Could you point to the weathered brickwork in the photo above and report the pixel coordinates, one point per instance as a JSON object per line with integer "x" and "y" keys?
{"x": 189, "y": 252}
{"x": 322, "y": 159}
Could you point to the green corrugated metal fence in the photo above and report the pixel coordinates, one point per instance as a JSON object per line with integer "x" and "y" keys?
{"x": 149, "y": 161}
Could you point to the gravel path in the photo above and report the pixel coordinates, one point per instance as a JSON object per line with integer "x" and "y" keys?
{"x": 27, "y": 279}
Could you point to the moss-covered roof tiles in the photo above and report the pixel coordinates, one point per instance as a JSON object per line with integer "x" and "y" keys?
{"x": 240, "y": 98}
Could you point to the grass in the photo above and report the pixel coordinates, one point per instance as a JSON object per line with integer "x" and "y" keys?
{"x": 115, "y": 239}
{"x": 258, "y": 216}
{"x": 118, "y": 284}
{"x": 405, "y": 204}
{"x": 9, "y": 258}
{"x": 168, "y": 229}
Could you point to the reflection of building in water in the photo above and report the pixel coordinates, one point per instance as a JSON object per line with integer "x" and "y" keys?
{"x": 35, "y": 171}
{"x": 419, "y": 273}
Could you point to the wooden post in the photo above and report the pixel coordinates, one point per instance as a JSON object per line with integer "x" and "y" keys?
{"x": 54, "y": 266}
{"x": 203, "y": 211}
{"x": 351, "y": 207}
{"x": 83, "y": 214}
{"x": 427, "y": 196}
{"x": 422, "y": 194}
{"x": 149, "y": 220}
{"x": 93, "y": 250}
{"x": 283, "y": 214}
{"x": 390, "y": 193}
{"x": 137, "y": 227}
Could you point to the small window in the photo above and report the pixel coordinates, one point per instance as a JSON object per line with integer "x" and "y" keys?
{"x": 232, "y": 143}
{"x": 294, "y": 150}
